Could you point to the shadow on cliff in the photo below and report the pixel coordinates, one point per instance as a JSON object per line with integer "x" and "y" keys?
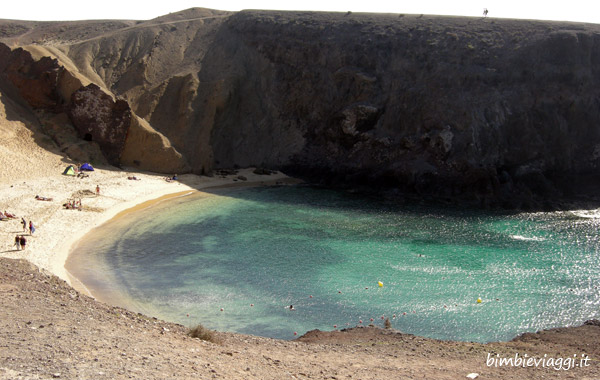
{"x": 569, "y": 193}
{"x": 52, "y": 133}
{"x": 18, "y": 110}
{"x": 312, "y": 195}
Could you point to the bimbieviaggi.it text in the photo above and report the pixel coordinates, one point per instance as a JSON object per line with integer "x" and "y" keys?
{"x": 524, "y": 361}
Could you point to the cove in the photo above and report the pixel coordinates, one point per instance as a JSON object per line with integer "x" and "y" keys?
{"x": 236, "y": 259}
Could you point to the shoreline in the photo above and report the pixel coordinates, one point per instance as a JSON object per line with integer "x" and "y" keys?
{"x": 79, "y": 284}
{"x": 58, "y": 230}
{"x": 63, "y": 253}
{"x": 82, "y": 284}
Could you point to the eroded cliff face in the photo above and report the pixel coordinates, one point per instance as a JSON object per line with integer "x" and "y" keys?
{"x": 145, "y": 148}
{"x": 495, "y": 112}
{"x": 97, "y": 117}
{"x": 34, "y": 80}
{"x": 66, "y": 108}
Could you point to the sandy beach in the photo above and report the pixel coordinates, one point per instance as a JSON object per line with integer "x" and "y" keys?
{"x": 58, "y": 228}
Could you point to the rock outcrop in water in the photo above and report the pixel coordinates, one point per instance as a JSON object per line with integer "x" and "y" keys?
{"x": 490, "y": 111}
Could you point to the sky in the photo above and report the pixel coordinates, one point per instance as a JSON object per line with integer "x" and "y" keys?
{"x": 62, "y": 10}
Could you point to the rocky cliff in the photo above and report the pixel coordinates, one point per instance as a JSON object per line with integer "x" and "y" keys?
{"x": 73, "y": 114}
{"x": 496, "y": 112}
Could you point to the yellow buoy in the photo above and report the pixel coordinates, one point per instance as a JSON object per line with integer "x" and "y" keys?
{"x": 478, "y": 300}
{"x": 380, "y": 284}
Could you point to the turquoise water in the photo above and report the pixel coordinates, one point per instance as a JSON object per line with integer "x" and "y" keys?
{"x": 236, "y": 261}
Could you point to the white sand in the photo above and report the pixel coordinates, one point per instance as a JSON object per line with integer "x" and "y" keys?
{"x": 58, "y": 228}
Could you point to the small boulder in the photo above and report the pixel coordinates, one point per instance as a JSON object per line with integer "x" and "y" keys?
{"x": 263, "y": 171}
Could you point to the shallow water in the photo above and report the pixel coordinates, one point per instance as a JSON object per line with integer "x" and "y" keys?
{"x": 236, "y": 261}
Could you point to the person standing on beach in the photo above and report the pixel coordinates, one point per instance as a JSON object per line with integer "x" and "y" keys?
{"x": 18, "y": 242}
{"x": 97, "y": 190}
{"x": 24, "y": 223}
{"x": 31, "y": 228}
{"x": 23, "y": 242}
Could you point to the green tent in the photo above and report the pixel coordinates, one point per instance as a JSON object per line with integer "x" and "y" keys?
{"x": 70, "y": 170}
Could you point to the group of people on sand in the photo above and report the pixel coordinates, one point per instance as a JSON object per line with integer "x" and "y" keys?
{"x": 73, "y": 204}
{"x": 21, "y": 240}
{"x": 31, "y": 226}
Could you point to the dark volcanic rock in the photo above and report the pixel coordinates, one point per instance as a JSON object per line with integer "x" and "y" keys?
{"x": 263, "y": 171}
{"x": 35, "y": 80}
{"x": 491, "y": 112}
{"x": 99, "y": 118}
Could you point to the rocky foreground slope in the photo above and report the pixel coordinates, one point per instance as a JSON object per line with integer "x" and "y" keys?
{"x": 496, "y": 112}
{"x": 50, "y": 331}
